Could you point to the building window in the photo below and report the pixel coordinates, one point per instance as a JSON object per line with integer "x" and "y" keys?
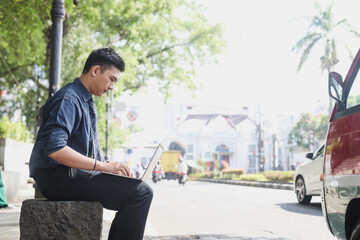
{"x": 190, "y": 148}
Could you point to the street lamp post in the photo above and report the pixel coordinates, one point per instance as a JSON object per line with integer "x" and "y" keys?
{"x": 57, "y": 16}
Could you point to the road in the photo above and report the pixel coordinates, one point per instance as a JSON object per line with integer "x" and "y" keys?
{"x": 209, "y": 211}
{"x": 201, "y": 210}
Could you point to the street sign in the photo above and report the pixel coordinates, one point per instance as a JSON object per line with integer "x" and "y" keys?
{"x": 131, "y": 116}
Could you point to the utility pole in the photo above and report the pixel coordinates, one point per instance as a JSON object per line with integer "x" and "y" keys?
{"x": 274, "y": 160}
{"x": 261, "y": 163}
{"x": 260, "y": 150}
{"x": 107, "y": 101}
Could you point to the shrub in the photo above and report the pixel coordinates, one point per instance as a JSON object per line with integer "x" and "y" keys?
{"x": 204, "y": 175}
{"x": 240, "y": 174}
{"x": 235, "y": 171}
{"x": 252, "y": 177}
{"x": 227, "y": 176}
{"x": 15, "y": 130}
{"x": 279, "y": 176}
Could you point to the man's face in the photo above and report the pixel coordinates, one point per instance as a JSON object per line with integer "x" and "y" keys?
{"x": 105, "y": 81}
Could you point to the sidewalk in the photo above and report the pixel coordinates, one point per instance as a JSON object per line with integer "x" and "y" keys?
{"x": 9, "y": 217}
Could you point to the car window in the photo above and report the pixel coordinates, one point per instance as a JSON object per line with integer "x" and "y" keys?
{"x": 354, "y": 94}
{"x": 319, "y": 153}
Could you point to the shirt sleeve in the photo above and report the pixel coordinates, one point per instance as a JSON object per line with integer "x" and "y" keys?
{"x": 61, "y": 123}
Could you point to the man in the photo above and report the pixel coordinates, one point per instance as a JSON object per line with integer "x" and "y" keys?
{"x": 66, "y": 159}
{"x": 182, "y": 166}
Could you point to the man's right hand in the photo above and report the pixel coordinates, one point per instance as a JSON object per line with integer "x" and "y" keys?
{"x": 116, "y": 168}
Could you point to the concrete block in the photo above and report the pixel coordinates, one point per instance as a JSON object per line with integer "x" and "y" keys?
{"x": 15, "y": 156}
{"x": 11, "y": 181}
{"x": 63, "y": 220}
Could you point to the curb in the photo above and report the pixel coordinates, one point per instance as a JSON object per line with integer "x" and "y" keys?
{"x": 275, "y": 185}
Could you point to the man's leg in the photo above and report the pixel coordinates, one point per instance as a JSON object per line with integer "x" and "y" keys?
{"x": 130, "y": 197}
{"x": 130, "y": 221}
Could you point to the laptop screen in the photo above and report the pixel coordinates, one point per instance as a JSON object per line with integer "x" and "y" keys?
{"x": 155, "y": 158}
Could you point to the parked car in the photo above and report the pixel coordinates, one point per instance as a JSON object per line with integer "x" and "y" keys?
{"x": 341, "y": 187}
{"x": 307, "y": 182}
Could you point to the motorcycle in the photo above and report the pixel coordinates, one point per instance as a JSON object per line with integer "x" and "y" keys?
{"x": 156, "y": 176}
{"x": 182, "y": 178}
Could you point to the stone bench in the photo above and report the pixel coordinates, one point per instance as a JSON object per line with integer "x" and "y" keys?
{"x": 60, "y": 220}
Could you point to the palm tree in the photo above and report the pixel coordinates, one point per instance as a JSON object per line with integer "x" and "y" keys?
{"x": 323, "y": 31}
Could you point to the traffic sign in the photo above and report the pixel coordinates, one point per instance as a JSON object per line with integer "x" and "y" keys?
{"x": 131, "y": 116}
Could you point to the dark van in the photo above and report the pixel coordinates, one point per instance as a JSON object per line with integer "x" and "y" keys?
{"x": 341, "y": 176}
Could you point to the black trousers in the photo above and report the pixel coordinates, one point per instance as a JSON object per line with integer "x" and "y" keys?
{"x": 129, "y": 197}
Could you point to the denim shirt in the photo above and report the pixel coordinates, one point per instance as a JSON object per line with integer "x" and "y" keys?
{"x": 65, "y": 122}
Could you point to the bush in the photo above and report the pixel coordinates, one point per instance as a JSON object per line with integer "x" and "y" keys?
{"x": 227, "y": 176}
{"x": 204, "y": 175}
{"x": 253, "y": 177}
{"x": 235, "y": 171}
{"x": 14, "y": 130}
{"x": 239, "y": 174}
{"x": 279, "y": 176}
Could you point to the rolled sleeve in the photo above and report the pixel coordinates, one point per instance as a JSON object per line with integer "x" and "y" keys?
{"x": 61, "y": 124}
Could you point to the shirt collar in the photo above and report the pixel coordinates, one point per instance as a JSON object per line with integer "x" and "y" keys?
{"x": 81, "y": 89}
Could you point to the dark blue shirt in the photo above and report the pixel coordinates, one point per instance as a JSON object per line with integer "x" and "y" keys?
{"x": 65, "y": 122}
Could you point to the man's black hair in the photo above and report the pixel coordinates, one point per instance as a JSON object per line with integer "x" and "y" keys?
{"x": 105, "y": 58}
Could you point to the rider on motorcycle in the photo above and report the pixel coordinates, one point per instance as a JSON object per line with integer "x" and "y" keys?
{"x": 139, "y": 171}
{"x": 182, "y": 168}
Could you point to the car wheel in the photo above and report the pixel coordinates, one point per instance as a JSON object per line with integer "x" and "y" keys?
{"x": 301, "y": 191}
{"x": 356, "y": 231}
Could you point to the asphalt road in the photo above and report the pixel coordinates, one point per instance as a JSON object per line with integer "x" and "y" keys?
{"x": 202, "y": 210}
{"x": 209, "y": 211}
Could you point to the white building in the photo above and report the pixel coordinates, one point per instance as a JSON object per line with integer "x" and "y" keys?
{"x": 217, "y": 137}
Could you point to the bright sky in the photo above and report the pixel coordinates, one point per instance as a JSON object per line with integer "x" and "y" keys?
{"x": 258, "y": 68}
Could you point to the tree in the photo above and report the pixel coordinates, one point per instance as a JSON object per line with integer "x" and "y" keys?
{"x": 310, "y": 131}
{"x": 25, "y": 28}
{"x": 323, "y": 30}
{"x": 163, "y": 40}
{"x": 15, "y": 130}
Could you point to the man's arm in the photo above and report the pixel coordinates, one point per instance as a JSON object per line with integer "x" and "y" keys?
{"x": 71, "y": 158}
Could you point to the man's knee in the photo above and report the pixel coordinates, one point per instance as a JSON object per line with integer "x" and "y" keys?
{"x": 144, "y": 192}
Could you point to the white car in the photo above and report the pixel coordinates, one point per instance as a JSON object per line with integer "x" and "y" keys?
{"x": 307, "y": 182}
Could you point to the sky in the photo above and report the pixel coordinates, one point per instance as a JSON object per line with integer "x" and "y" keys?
{"x": 257, "y": 68}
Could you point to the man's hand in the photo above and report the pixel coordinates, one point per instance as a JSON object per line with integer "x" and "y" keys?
{"x": 69, "y": 157}
{"x": 116, "y": 168}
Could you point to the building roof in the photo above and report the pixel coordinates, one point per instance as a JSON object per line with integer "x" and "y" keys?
{"x": 232, "y": 120}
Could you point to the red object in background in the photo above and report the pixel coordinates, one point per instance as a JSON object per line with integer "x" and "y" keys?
{"x": 3, "y": 93}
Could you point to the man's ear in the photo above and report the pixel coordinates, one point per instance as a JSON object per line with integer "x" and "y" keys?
{"x": 94, "y": 70}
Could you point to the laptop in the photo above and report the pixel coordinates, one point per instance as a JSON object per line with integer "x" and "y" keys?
{"x": 149, "y": 169}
